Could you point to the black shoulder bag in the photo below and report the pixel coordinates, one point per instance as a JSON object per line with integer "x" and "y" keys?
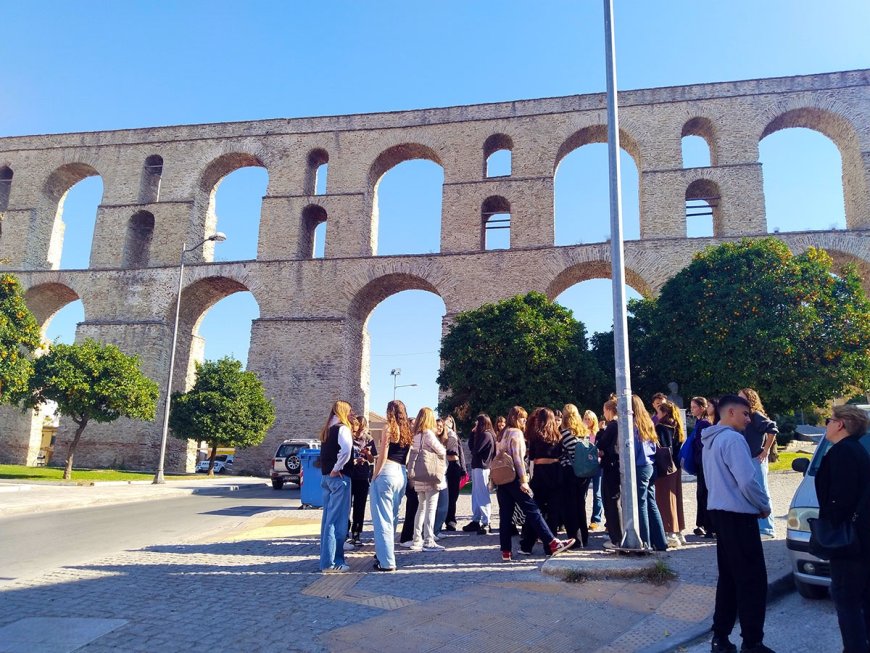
{"x": 836, "y": 541}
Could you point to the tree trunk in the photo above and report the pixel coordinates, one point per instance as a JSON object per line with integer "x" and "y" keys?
{"x": 211, "y": 460}
{"x": 67, "y": 472}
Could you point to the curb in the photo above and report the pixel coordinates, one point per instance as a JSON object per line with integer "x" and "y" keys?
{"x": 15, "y": 488}
{"x": 776, "y": 589}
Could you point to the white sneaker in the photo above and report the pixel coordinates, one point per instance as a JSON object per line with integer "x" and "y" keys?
{"x": 682, "y": 538}
{"x": 409, "y": 544}
{"x": 436, "y": 538}
{"x": 336, "y": 569}
{"x": 673, "y": 542}
{"x": 433, "y": 546}
{"x": 348, "y": 546}
{"x": 610, "y": 546}
{"x": 416, "y": 547}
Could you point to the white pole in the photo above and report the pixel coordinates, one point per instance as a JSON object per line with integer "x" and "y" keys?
{"x": 158, "y": 477}
{"x": 630, "y": 538}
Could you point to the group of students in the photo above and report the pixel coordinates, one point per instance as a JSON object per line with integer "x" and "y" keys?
{"x": 545, "y": 495}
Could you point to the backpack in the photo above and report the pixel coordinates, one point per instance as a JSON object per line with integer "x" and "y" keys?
{"x": 585, "y": 459}
{"x": 687, "y": 454}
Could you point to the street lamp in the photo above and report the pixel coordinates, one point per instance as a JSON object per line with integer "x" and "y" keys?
{"x": 217, "y": 237}
{"x": 395, "y": 373}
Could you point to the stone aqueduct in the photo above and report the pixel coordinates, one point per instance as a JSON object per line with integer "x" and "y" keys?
{"x": 310, "y": 345}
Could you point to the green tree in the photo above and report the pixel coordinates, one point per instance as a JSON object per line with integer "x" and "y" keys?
{"x": 19, "y": 336}
{"x": 647, "y": 377}
{"x": 227, "y": 407}
{"x": 525, "y": 350}
{"x": 753, "y": 314}
{"x": 91, "y": 381}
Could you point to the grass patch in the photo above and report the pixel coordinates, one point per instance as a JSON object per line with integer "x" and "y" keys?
{"x": 24, "y": 473}
{"x": 784, "y": 462}
{"x": 659, "y": 573}
{"x": 575, "y": 576}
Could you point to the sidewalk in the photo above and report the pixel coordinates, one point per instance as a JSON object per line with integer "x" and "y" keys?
{"x": 18, "y": 498}
{"x": 263, "y": 578}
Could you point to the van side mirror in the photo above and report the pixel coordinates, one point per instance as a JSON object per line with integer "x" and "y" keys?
{"x": 801, "y": 465}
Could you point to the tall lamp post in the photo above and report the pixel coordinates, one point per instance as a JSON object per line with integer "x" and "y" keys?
{"x": 217, "y": 237}
{"x": 631, "y": 537}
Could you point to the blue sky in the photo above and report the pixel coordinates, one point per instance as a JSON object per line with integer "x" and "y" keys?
{"x": 90, "y": 66}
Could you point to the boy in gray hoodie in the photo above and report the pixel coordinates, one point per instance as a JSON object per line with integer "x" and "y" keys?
{"x": 735, "y": 501}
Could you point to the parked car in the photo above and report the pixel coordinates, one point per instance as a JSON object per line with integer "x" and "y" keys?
{"x": 286, "y": 465}
{"x": 812, "y": 575}
{"x": 222, "y": 463}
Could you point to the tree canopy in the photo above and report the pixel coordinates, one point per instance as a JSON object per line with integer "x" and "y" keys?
{"x": 91, "y": 381}
{"x": 227, "y": 407}
{"x": 753, "y": 314}
{"x": 524, "y": 351}
{"x": 19, "y": 336}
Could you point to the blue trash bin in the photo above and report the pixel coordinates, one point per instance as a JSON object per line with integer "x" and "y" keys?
{"x": 310, "y": 492}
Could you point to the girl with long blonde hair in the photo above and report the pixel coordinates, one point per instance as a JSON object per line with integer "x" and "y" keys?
{"x": 572, "y": 490}
{"x": 388, "y": 483}
{"x": 652, "y": 531}
{"x": 427, "y": 492}
{"x": 336, "y": 465}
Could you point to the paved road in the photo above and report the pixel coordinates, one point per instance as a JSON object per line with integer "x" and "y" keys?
{"x": 34, "y": 543}
{"x": 794, "y": 625}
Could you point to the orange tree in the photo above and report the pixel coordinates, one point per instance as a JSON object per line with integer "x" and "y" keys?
{"x": 753, "y": 314}
{"x": 19, "y": 336}
{"x": 525, "y": 350}
{"x": 91, "y": 382}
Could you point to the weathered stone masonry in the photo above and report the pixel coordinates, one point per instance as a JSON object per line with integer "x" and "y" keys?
{"x": 309, "y": 345}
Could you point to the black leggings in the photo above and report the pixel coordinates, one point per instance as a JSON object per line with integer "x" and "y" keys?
{"x": 454, "y": 475}
{"x": 546, "y": 488}
{"x": 359, "y": 491}
{"x": 573, "y": 495}
{"x": 411, "y": 504}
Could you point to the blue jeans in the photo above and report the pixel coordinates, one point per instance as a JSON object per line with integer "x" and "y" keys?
{"x": 333, "y": 524}
{"x": 597, "y": 503}
{"x": 765, "y": 524}
{"x": 385, "y": 496}
{"x": 652, "y": 530}
{"x": 441, "y": 510}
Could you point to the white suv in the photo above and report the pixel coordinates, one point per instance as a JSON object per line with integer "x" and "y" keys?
{"x": 286, "y": 464}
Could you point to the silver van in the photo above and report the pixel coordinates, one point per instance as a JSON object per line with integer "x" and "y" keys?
{"x": 812, "y": 575}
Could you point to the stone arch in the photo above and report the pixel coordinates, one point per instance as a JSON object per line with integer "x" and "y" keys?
{"x": 137, "y": 245}
{"x": 595, "y": 269}
{"x": 842, "y": 132}
{"x": 206, "y": 191}
{"x": 385, "y": 161}
{"x": 707, "y": 191}
{"x": 597, "y": 134}
{"x": 493, "y": 144}
{"x": 45, "y": 300}
{"x": 355, "y": 331}
{"x": 196, "y": 299}
{"x": 54, "y": 193}
{"x": 490, "y": 210}
{"x": 149, "y": 184}
{"x": 380, "y": 288}
{"x": 841, "y": 259}
{"x": 317, "y": 165}
{"x": 703, "y": 128}
{"x": 312, "y": 217}
{"x": 6, "y": 175}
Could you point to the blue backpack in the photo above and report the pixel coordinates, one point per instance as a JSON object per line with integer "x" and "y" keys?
{"x": 687, "y": 454}
{"x": 585, "y": 459}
